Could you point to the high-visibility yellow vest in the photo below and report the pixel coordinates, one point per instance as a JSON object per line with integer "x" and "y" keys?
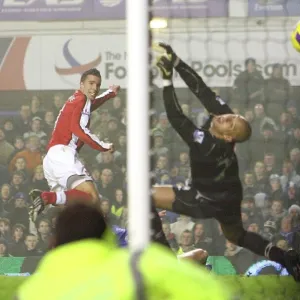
{"x": 92, "y": 269}
{"x": 117, "y": 211}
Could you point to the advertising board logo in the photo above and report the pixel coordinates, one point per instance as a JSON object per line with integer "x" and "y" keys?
{"x": 75, "y": 67}
{"x": 25, "y": 3}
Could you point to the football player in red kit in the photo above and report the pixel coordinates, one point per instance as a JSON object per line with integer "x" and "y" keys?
{"x": 66, "y": 175}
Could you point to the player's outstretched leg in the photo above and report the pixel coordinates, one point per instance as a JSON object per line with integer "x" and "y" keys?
{"x": 85, "y": 191}
{"x": 236, "y": 234}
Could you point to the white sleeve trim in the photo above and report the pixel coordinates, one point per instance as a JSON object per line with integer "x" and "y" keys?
{"x": 167, "y": 82}
{"x": 104, "y": 94}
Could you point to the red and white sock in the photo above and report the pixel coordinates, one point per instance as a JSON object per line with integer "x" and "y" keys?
{"x": 62, "y": 197}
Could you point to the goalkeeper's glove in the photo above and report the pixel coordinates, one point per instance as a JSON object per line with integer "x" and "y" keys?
{"x": 164, "y": 63}
{"x": 174, "y": 58}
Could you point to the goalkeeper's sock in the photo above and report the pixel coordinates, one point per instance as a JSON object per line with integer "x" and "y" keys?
{"x": 260, "y": 246}
{"x": 62, "y": 197}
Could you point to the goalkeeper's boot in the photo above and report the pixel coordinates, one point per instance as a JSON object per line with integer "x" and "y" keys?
{"x": 292, "y": 263}
{"x": 37, "y": 204}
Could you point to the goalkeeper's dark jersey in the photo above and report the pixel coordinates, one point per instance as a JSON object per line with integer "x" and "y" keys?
{"x": 214, "y": 165}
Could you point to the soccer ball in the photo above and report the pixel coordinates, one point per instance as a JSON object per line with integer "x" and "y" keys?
{"x": 295, "y": 37}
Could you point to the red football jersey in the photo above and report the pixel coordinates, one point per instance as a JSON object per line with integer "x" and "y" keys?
{"x": 72, "y": 124}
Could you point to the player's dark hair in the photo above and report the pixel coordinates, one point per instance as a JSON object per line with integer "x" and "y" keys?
{"x": 77, "y": 222}
{"x": 93, "y": 72}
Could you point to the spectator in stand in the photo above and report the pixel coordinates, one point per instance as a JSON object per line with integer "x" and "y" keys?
{"x": 18, "y": 211}
{"x": 32, "y": 154}
{"x": 113, "y": 127}
{"x": 269, "y": 141}
{"x": 4, "y": 248}
{"x": 6, "y": 149}
{"x": 262, "y": 204}
{"x": 99, "y": 123}
{"x": 253, "y": 213}
{"x": 294, "y": 211}
{"x": 36, "y": 130}
{"x": 117, "y": 108}
{"x": 289, "y": 175}
{"x": 20, "y": 165}
{"x": 164, "y": 126}
{"x": 158, "y": 144}
{"x": 291, "y": 196}
{"x": 36, "y": 107}
{"x": 183, "y": 223}
{"x": 269, "y": 230}
{"x": 38, "y": 180}
{"x": 239, "y": 257}
{"x": 22, "y": 122}
{"x": 118, "y": 204}
{"x": 105, "y": 206}
{"x": 121, "y": 149}
{"x": 105, "y": 185}
{"x": 292, "y": 109}
{"x": 285, "y": 124}
{"x": 260, "y": 119}
{"x": 162, "y": 167}
{"x": 5, "y": 229}
{"x": 49, "y": 122}
{"x": 19, "y": 146}
{"x": 249, "y": 183}
{"x": 29, "y": 247}
{"x": 201, "y": 240}
{"x": 277, "y": 92}
{"x": 166, "y": 226}
{"x": 18, "y": 183}
{"x": 44, "y": 234}
{"x": 58, "y": 102}
{"x": 184, "y": 164}
{"x": 277, "y": 212}
{"x": 9, "y": 130}
{"x": 261, "y": 180}
{"x": 5, "y": 196}
{"x": 295, "y": 159}
{"x": 285, "y": 231}
{"x": 106, "y": 161}
{"x": 276, "y": 191}
{"x": 271, "y": 164}
{"x": 186, "y": 242}
{"x": 254, "y": 227}
{"x": 249, "y": 84}
{"x": 294, "y": 139}
{"x": 18, "y": 234}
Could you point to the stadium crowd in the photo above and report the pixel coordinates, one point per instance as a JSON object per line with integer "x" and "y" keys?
{"x": 269, "y": 168}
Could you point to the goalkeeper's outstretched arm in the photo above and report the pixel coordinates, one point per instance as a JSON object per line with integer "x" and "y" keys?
{"x": 179, "y": 121}
{"x": 213, "y": 104}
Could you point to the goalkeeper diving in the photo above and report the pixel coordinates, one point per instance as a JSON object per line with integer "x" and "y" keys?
{"x": 215, "y": 190}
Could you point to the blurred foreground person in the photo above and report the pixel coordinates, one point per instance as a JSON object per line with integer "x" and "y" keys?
{"x": 86, "y": 264}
